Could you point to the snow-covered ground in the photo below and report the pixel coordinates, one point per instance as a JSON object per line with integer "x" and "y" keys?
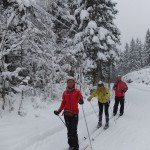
{"x": 40, "y": 129}
{"x": 141, "y": 76}
{"x": 47, "y": 132}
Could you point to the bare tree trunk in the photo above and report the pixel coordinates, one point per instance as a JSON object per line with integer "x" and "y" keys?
{"x": 20, "y": 106}
{"x": 3, "y": 94}
{"x": 22, "y": 93}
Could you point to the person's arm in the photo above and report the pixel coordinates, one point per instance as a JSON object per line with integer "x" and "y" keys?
{"x": 57, "y": 112}
{"x": 115, "y": 86}
{"x": 62, "y": 103}
{"x": 125, "y": 87}
{"x": 80, "y": 97}
{"x": 94, "y": 93}
{"x": 107, "y": 93}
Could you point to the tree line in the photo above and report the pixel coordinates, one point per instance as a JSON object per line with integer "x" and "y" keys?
{"x": 136, "y": 55}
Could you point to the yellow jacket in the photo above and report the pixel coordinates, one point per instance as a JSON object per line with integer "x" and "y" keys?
{"x": 102, "y": 94}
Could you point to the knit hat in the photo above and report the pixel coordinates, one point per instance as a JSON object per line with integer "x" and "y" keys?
{"x": 70, "y": 78}
{"x": 118, "y": 75}
{"x": 100, "y": 83}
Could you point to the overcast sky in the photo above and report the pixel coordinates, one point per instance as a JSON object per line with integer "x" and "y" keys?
{"x": 133, "y": 19}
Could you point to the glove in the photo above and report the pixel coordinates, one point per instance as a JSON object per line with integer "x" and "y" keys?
{"x": 89, "y": 99}
{"x": 81, "y": 102}
{"x": 123, "y": 91}
{"x": 115, "y": 86}
{"x": 107, "y": 100}
{"x": 56, "y": 112}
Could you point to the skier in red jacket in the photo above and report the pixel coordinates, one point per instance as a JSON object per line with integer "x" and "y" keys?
{"x": 70, "y": 99}
{"x": 120, "y": 88}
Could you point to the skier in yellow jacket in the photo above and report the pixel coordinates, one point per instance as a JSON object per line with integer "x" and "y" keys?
{"x": 103, "y": 95}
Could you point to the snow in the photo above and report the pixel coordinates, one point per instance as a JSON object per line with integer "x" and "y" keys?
{"x": 69, "y": 17}
{"x": 103, "y": 32}
{"x": 91, "y": 28}
{"x": 41, "y": 129}
{"x": 10, "y": 19}
{"x": 131, "y": 131}
{"x": 79, "y": 2}
{"x": 78, "y": 37}
{"x": 110, "y": 41}
{"x": 26, "y": 3}
{"x": 90, "y": 9}
{"x": 139, "y": 76}
{"x": 92, "y": 25}
{"x": 84, "y": 15}
{"x": 101, "y": 56}
{"x": 90, "y": 64}
{"x": 95, "y": 39}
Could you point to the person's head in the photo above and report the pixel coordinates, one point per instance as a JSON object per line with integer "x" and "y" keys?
{"x": 70, "y": 82}
{"x": 118, "y": 78}
{"x": 100, "y": 85}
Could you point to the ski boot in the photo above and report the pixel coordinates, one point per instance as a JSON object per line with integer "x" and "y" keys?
{"x": 106, "y": 126}
{"x": 120, "y": 114}
{"x": 99, "y": 124}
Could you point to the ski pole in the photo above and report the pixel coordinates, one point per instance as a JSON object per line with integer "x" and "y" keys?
{"x": 94, "y": 109}
{"x": 62, "y": 120}
{"x": 87, "y": 128}
{"x": 0, "y": 113}
{"x": 110, "y": 107}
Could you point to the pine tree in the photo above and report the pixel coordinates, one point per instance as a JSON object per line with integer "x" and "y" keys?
{"x": 132, "y": 56}
{"x": 138, "y": 53}
{"x": 98, "y": 35}
{"x": 125, "y": 66}
{"x": 28, "y": 46}
{"x": 13, "y": 34}
{"x": 146, "y": 52}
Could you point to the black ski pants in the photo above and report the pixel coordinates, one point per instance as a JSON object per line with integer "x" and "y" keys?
{"x": 119, "y": 100}
{"x": 101, "y": 107}
{"x": 71, "y": 124}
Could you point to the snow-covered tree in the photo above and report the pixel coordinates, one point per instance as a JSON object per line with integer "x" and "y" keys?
{"x": 138, "y": 52}
{"x": 14, "y": 30}
{"x": 28, "y": 50}
{"x": 98, "y": 35}
{"x": 146, "y": 52}
{"x": 132, "y": 56}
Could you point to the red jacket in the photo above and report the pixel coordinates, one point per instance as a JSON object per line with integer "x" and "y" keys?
{"x": 70, "y": 100}
{"x": 120, "y": 88}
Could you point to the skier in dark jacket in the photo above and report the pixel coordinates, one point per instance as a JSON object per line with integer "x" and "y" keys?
{"x": 70, "y": 99}
{"x": 120, "y": 88}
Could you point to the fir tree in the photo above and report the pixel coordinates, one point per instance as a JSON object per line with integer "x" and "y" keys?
{"x": 98, "y": 35}
{"x": 138, "y": 53}
{"x": 147, "y": 49}
{"x": 132, "y": 56}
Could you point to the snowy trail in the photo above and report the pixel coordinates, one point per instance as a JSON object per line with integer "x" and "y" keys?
{"x": 101, "y": 131}
{"x": 130, "y": 131}
{"x": 29, "y": 133}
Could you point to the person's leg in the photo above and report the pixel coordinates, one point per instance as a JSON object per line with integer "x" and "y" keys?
{"x": 121, "y": 105}
{"x": 107, "y": 112}
{"x": 115, "y": 109}
{"x": 100, "y": 112}
{"x": 68, "y": 125}
{"x": 74, "y": 135}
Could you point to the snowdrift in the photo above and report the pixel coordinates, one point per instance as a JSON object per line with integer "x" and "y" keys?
{"x": 139, "y": 76}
